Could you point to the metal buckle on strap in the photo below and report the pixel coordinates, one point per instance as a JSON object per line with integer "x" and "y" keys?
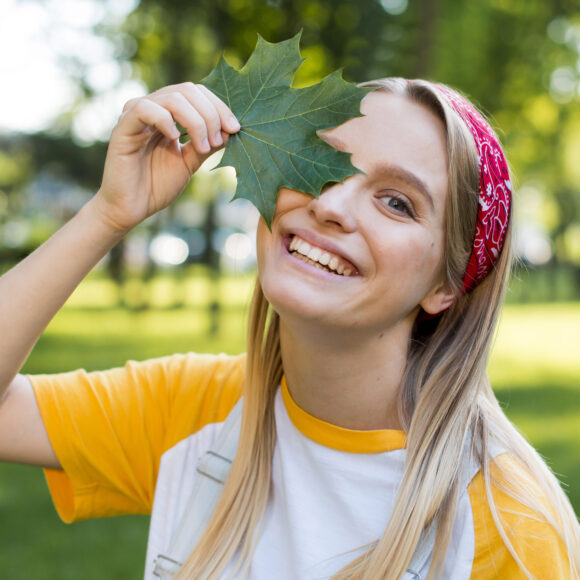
{"x": 214, "y": 466}
{"x": 165, "y": 567}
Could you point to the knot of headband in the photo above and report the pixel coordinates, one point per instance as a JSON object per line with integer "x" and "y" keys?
{"x": 494, "y": 192}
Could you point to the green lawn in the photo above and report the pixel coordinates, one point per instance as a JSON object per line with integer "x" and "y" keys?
{"x": 535, "y": 369}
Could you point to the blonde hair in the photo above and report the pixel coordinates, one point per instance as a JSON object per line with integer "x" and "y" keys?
{"x": 445, "y": 401}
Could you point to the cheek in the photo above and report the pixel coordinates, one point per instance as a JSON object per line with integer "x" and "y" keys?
{"x": 429, "y": 261}
{"x": 413, "y": 259}
{"x": 268, "y": 272}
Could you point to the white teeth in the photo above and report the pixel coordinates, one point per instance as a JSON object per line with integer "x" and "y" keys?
{"x": 318, "y": 257}
{"x": 303, "y": 247}
{"x": 324, "y": 259}
{"x": 314, "y": 254}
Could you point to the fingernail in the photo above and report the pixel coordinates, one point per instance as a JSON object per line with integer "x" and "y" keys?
{"x": 205, "y": 147}
{"x": 218, "y": 139}
{"x": 234, "y": 124}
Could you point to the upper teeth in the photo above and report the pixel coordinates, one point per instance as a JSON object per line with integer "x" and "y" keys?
{"x": 319, "y": 256}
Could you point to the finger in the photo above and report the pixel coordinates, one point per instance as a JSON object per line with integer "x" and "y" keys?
{"x": 143, "y": 113}
{"x": 206, "y": 109}
{"x": 192, "y": 158}
{"x": 229, "y": 121}
{"x": 201, "y": 126}
{"x": 216, "y": 114}
{"x": 130, "y": 103}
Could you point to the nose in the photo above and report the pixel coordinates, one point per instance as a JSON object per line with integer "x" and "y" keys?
{"x": 336, "y": 206}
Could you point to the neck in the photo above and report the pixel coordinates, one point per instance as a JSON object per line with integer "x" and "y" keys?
{"x": 350, "y": 382}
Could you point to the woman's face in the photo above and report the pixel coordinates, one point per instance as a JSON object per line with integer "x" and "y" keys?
{"x": 367, "y": 253}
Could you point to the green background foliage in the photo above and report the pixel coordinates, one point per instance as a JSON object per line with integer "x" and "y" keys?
{"x": 517, "y": 58}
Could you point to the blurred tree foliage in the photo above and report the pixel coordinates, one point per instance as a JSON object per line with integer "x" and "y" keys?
{"x": 519, "y": 58}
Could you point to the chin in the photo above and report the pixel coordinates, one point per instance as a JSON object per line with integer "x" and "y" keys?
{"x": 291, "y": 304}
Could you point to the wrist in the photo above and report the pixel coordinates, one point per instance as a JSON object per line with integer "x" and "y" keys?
{"x": 111, "y": 227}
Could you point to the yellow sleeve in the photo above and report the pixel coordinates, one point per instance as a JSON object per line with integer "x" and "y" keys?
{"x": 536, "y": 542}
{"x": 109, "y": 429}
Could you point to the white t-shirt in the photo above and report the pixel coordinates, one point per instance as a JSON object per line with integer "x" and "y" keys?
{"x": 326, "y": 505}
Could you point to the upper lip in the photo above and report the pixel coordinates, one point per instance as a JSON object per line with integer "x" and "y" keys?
{"x": 321, "y": 242}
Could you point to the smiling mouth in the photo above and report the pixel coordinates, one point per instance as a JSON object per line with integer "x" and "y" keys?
{"x": 322, "y": 259}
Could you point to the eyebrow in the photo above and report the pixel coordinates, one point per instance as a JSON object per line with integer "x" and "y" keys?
{"x": 402, "y": 174}
{"x": 389, "y": 169}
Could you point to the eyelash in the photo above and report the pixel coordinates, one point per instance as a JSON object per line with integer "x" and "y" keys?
{"x": 406, "y": 209}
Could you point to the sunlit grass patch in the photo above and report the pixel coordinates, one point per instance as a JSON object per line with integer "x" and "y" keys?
{"x": 537, "y": 342}
{"x": 190, "y": 287}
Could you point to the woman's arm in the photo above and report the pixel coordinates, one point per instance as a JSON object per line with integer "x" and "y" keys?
{"x": 145, "y": 170}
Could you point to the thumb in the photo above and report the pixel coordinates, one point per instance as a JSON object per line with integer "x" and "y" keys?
{"x": 193, "y": 160}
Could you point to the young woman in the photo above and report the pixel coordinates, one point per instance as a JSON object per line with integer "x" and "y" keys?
{"x": 369, "y": 431}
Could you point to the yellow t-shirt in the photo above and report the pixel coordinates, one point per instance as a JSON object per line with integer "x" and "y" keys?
{"x": 129, "y": 439}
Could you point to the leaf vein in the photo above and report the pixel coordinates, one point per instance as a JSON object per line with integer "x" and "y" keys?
{"x": 263, "y": 85}
{"x": 302, "y": 114}
{"x": 291, "y": 154}
{"x": 282, "y": 172}
{"x": 263, "y": 196}
{"x": 226, "y": 87}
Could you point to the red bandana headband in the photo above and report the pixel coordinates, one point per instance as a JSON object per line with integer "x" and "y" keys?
{"x": 494, "y": 192}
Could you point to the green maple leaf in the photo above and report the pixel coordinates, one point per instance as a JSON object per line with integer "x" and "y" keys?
{"x": 278, "y": 145}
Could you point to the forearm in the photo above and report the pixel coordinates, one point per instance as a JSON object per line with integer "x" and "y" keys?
{"x": 34, "y": 290}
{"x": 145, "y": 170}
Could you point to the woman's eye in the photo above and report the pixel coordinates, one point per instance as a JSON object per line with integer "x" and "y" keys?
{"x": 397, "y": 204}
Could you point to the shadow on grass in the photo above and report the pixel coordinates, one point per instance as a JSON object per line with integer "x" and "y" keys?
{"x": 541, "y": 399}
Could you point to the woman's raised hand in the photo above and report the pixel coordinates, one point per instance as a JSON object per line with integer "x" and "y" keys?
{"x": 146, "y": 166}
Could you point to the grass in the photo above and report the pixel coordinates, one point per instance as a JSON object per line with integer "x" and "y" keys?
{"x": 535, "y": 369}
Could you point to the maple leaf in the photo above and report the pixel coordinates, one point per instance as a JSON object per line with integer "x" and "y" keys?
{"x": 278, "y": 145}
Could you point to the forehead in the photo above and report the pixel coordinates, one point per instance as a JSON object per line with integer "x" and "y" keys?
{"x": 396, "y": 132}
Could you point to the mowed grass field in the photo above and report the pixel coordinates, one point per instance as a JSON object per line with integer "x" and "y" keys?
{"x": 535, "y": 370}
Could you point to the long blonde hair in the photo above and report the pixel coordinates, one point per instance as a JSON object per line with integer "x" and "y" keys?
{"x": 445, "y": 400}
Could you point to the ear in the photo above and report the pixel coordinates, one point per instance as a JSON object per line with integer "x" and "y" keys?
{"x": 439, "y": 299}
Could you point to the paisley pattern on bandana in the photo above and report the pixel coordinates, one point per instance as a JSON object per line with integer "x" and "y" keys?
{"x": 495, "y": 192}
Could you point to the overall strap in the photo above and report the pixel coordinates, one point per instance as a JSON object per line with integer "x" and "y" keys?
{"x": 427, "y": 541}
{"x": 213, "y": 469}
